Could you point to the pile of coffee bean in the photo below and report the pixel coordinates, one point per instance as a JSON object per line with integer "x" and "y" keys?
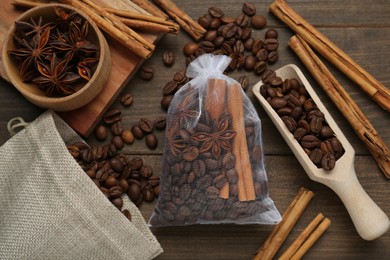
{"x": 114, "y": 174}
{"x": 194, "y": 175}
{"x": 179, "y": 79}
{"x": 290, "y": 99}
{"x": 120, "y": 137}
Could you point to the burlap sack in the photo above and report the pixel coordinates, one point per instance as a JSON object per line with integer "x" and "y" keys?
{"x": 50, "y": 209}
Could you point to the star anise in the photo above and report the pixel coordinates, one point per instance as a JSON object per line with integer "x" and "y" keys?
{"x": 75, "y": 42}
{"x": 30, "y": 52}
{"x": 31, "y": 28}
{"x": 187, "y": 112}
{"x": 84, "y": 67}
{"x": 55, "y": 80}
{"x": 216, "y": 140}
{"x": 64, "y": 18}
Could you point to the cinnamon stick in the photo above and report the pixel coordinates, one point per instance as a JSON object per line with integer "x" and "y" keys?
{"x": 362, "y": 126}
{"x": 279, "y": 233}
{"x": 148, "y": 26}
{"x": 216, "y": 89}
{"x": 182, "y": 18}
{"x": 150, "y": 8}
{"x": 26, "y": 3}
{"x": 304, "y": 241}
{"x": 378, "y": 92}
{"x": 110, "y": 24}
{"x": 246, "y": 190}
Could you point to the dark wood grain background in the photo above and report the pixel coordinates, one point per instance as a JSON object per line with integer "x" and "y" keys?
{"x": 362, "y": 30}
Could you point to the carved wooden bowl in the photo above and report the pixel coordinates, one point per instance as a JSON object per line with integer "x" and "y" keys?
{"x": 86, "y": 90}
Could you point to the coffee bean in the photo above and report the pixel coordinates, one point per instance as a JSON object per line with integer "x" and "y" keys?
{"x": 310, "y": 142}
{"x": 278, "y": 102}
{"x": 268, "y": 75}
{"x": 328, "y": 162}
{"x": 273, "y": 57}
{"x": 204, "y": 22}
{"x": 124, "y": 185}
{"x": 249, "y": 8}
{"x": 136, "y": 163}
{"x": 218, "y": 41}
{"x": 316, "y": 125}
{"x": 299, "y": 133}
{"x": 239, "y": 47}
{"x": 127, "y": 214}
{"x": 260, "y": 67}
{"x": 250, "y": 62}
{"x": 276, "y": 82}
{"x": 127, "y": 99}
{"x": 207, "y": 46}
{"x": 168, "y": 57}
{"x": 112, "y": 116}
{"x": 160, "y": 123}
{"x": 316, "y": 155}
{"x": 212, "y": 192}
{"x": 271, "y": 33}
{"x": 284, "y": 111}
{"x": 101, "y": 133}
{"x": 296, "y": 112}
{"x": 154, "y": 181}
{"x": 262, "y": 55}
{"x": 258, "y": 22}
{"x": 243, "y": 20}
{"x": 243, "y": 80}
{"x": 215, "y": 23}
{"x": 229, "y": 30}
{"x": 290, "y": 123}
{"x": 190, "y": 48}
{"x": 134, "y": 191}
{"x": 246, "y": 34}
{"x": 215, "y": 12}
{"x": 117, "y": 142}
{"x": 116, "y": 165}
{"x": 165, "y": 102}
{"x": 127, "y": 137}
{"x": 326, "y": 132}
{"x": 227, "y": 19}
{"x": 146, "y": 125}
{"x": 147, "y": 193}
{"x": 190, "y": 153}
{"x": 180, "y": 77}
{"x": 116, "y": 128}
{"x": 210, "y": 36}
{"x": 117, "y": 202}
{"x": 248, "y": 44}
{"x": 271, "y": 44}
{"x": 151, "y": 141}
{"x": 257, "y": 45}
{"x": 137, "y": 132}
{"x": 146, "y": 72}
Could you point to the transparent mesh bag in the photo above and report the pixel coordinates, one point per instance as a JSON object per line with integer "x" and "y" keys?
{"x": 213, "y": 168}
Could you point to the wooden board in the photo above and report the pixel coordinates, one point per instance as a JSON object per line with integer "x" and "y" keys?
{"x": 124, "y": 65}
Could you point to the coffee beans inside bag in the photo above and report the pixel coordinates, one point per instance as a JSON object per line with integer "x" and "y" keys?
{"x": 213, "y": 167}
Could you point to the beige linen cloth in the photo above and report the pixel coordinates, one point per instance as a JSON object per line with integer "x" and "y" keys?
{"x": 50, "y": 209}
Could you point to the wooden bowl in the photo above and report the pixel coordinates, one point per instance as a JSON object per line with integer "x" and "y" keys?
{"x": 87, "y": 92}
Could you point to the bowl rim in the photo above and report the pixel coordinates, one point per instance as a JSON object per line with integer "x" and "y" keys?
{"x": 43, "y": 98}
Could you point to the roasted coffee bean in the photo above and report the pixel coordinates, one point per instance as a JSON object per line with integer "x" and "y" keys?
{"x": 151, "y": 141}
{"x": 268, "y": 75}
{"x": 250, "y": 62}
{"x": 229, "y": 30}
{"x": 284, "y": 111}
{"x": 207, "y": 46}
{"x": 262, "y": 55}
{"x": 117, "y": 202}
{"x": 111, "y": 182}
{"x": 271, "y": 44}
{"x": 326, "y": 132}
{"x": 215, "y": 23}
{"x": 249, "y": 8}
{"x": 271, "y": 33}
{"x": 146, "y": 125}
{"x": 226, "y": 48}
{"x": 117, "y": 165}
{"x": 146, "y": 171}
{"x": 204, "y": 22}
{"x": 190, "y": 59}
{"x": 239, "y": 47}
{"x": 299, "y": 133}
{"x": 137, "y": 132}
{"x": 309, "y": 105}
{"x": 112, "y": 116}
{"x": 160, "y": 123}
{"x": 117, "y": 142}
{"x": 154, "y": 181}
{"x": 190, "y": 153}
{"x": 258, "y": 22}
{"x": 248, "y": 44}
{"x": 296, "y": 112}
{"x": 246, "y": 34}
{"x": 212, "y": 192}
{"x": 134, "y": 191}
{"x": 257, "y": 45}
{"x": 218, "y": 41}
{"x": 180, "y": 77}
{"x": 316, "y": 156}
{"x": 227, "y": 19}
{"x": 290, "y": 123}
{"x": 271, "y": 92}
{"x": 260, "y": 67}
{"x": 136, "y": 163}
{"x": 310, "y": 142}
{"x": 276, "y": 82}
{"x": 328, "y": 161}
{"x": 127, "y": 99}
{"x": 272, "y": 57}
{"x": 146, "y": 72}
{"x": 243, "y": 80}
{"x": 316, "y": 125}
{"x": 101, "y": 133}
{"x": 147, "y": 193}
{"x": 165, "y": 102}
{"x": 243, "y": 20}
{"x": 116, "y": 128}
{"x": 124, "y": 185}
{"x": 278, "y": 102}
{"x": 190, "y": 48}
{"x": 215, "y": 12}
{"x": 210, "y": 36}
{"x": 168, "y": 57}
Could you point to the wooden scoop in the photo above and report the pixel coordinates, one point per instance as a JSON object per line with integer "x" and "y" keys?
{"x": 369, "y": 220}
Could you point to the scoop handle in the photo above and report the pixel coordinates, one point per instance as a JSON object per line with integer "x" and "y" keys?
{"x": 369, "y": 220}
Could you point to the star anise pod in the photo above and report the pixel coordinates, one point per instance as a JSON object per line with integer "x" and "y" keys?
{"x": 30, "y": 52}
{"x": 187, "y": 112}
{"x": 216, "y": 140}
{"x": 55, "y": 80}
{"x": 75, "y": 42}
{"x": 31, "y": 28}
{"x": 84, "y": 67}
{"x": 64, "y": 18}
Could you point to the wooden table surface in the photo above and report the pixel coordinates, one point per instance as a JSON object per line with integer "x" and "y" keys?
{"x": 362, "y": 29}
